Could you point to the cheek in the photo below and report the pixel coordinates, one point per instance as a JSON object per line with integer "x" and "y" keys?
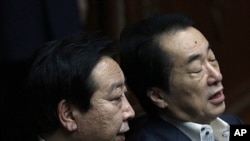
{"x": 110, "y": 116}
{"x": 105, "y": 123}
{"x": 110, "y": 122}
{"x": 186, "y": 85}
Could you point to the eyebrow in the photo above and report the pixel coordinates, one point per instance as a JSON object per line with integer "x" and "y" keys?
{"x": 196, "y": 56}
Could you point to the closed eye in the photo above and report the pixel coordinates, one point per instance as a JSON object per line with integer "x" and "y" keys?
{"x": 212, "y": 60}
{"x": 198, "y": 71}
{"x": 119, "y": 98}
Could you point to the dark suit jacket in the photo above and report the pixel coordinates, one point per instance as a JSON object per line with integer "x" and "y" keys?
{"x": 159, "y": 130}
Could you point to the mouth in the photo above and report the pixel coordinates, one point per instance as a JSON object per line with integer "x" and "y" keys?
{"x": 217, "y": 98}
{"x": 121, "y": 136}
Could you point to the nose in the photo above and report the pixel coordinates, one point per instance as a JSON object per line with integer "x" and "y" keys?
{"x": 214, "y": 74}
{"x": 128, "y": 111}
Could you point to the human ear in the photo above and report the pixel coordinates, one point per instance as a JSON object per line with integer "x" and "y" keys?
{"x": 65, "y": 115}
{"x": 157, "y": 97}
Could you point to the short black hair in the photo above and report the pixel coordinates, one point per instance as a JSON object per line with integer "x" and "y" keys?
{"x": 61, "y": 69}
{"x": 144, "y": 63}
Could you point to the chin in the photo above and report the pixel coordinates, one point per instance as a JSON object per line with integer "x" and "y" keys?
{"x": 217, "y": 111}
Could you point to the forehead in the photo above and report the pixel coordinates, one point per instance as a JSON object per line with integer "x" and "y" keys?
{"x": 183, "y": 43}
{"x": 106, "y": 72}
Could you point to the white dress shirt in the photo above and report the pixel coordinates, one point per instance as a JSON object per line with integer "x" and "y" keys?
{"x": 217, "y": 130}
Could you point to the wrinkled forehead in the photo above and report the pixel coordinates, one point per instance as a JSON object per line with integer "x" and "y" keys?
{"x": 183, "y": 42}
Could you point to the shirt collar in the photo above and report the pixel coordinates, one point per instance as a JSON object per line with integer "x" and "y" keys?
{"x": 218, "y": 128}
{"x": 40, "y": 138}
{"x": 221, "y": 129}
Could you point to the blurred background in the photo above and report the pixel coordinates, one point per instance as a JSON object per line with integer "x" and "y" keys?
{"x": 24, "y": 25}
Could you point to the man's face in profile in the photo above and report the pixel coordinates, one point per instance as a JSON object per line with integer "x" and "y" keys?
{"x": 195, "y": 80}
{"x": 107, "y": 118}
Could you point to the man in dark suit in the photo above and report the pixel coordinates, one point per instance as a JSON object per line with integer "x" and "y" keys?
{"x": 78, "y": 91}
{"x": 171, "y": 68}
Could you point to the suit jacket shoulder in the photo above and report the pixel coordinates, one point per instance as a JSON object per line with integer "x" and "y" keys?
{"x": 158, "y": 130}
{"x": 231, "y": 119}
